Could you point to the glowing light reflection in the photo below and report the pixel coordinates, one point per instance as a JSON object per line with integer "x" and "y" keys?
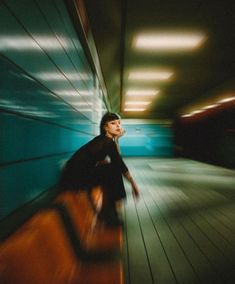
{"x": 145, "y": 103}
{"x": 26, "y": 43}
{"x": 226, "y": 100}
{"x": 66, "y": 93}
{"x": 147, "y": 92}
{"x": 135, "y": 109}
{"x": 53, "y": 76}
{"x": 168, "y": 41}
{"x": 150, "y": 75}
{"x": 211, "y": 106}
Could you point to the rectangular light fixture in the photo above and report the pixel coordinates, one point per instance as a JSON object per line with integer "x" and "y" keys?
{"x": 150, "y": 75}
{"x": 136, "y": 103}
{"x": 168, "y": 41}
{"x": 226, "y": 100}
{"x": 142, "y": 92}
{"x": 210, "y": 106}
{"x": 134, "y": 109}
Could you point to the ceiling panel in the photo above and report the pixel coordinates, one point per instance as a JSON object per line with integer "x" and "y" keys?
{"x": 199, "y": 75}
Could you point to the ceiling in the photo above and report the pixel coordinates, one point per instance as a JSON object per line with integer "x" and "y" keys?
{"x": 200, "y": 76}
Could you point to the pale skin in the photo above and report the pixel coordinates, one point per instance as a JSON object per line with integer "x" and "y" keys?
{"x": 114, "y": 130}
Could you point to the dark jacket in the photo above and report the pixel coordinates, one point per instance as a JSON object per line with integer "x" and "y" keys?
{"x": 85, "y": 170}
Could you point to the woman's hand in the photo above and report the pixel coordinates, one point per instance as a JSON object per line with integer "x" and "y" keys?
{"x": 122, "y": 132}
{"x": 135, "y": 191}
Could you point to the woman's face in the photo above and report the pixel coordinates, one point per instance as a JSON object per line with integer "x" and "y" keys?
{"x": 113, "y": 128}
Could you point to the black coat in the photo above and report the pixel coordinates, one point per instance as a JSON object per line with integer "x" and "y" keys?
{"x": 85, "y": 168}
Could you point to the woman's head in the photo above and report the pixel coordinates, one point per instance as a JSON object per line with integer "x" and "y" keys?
{"x": 110, "y": 122}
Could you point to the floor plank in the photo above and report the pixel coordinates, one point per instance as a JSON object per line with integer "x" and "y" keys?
{"x": 182, "y": 229}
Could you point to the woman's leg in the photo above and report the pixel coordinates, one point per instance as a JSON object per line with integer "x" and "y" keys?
{"x": 108, "y": 212}
{"x": 113, "y": 191}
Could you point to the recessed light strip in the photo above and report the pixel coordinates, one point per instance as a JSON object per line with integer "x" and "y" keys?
{"x": 150, "y": 75}
{"x": 144, "y": 103}
{"x": 134, "y": 109}
{"x": 147, "y": 92}
{"x": 216, "y": 104}
{"x": 168, "y": 41}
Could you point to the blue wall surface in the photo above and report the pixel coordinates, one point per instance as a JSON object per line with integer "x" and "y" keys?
{"x": 146, "y": 139}
{"x": 34, "y": 153}
{"x": 50, "y": 99}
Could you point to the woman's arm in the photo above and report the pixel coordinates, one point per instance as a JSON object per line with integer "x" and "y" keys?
{"x": 118, "y": 161}
{"x": 135, "y": 189}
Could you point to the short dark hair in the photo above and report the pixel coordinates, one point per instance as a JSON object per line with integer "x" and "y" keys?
{"x": 108, "y": 116}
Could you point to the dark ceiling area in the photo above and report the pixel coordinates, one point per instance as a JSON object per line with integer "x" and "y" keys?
{"x": 200, "y": 76}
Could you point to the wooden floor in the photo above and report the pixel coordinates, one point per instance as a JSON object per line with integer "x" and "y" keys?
{"x": 182, "y": 230}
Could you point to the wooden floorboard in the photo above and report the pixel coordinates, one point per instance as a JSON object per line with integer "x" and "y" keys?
{"x": 182, "y": 229}
{"x": 137, "y": 254}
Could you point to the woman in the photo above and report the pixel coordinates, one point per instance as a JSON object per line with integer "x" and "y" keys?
{"x": 99, "y": 163}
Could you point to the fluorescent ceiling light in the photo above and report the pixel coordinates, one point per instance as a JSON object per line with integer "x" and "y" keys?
{"x": 147, "y": 92}
{"x": 134, "y": 109}
{"x": 192, "y": 113}
{"x": 210, "y": 106}
{"x": 226, "y": 100}
{"x": 217, "y": 104}
{"x": 169, "y": 41}
{"x": 186, "y": 115}
{"x": 150, "y": 75}
{"x": 197, "y": 111}
{"x": 144, "y": 103}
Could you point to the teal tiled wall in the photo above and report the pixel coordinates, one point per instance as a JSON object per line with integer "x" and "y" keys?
{"x": 145, "y": 139}
{"x": 50, "y": 99}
